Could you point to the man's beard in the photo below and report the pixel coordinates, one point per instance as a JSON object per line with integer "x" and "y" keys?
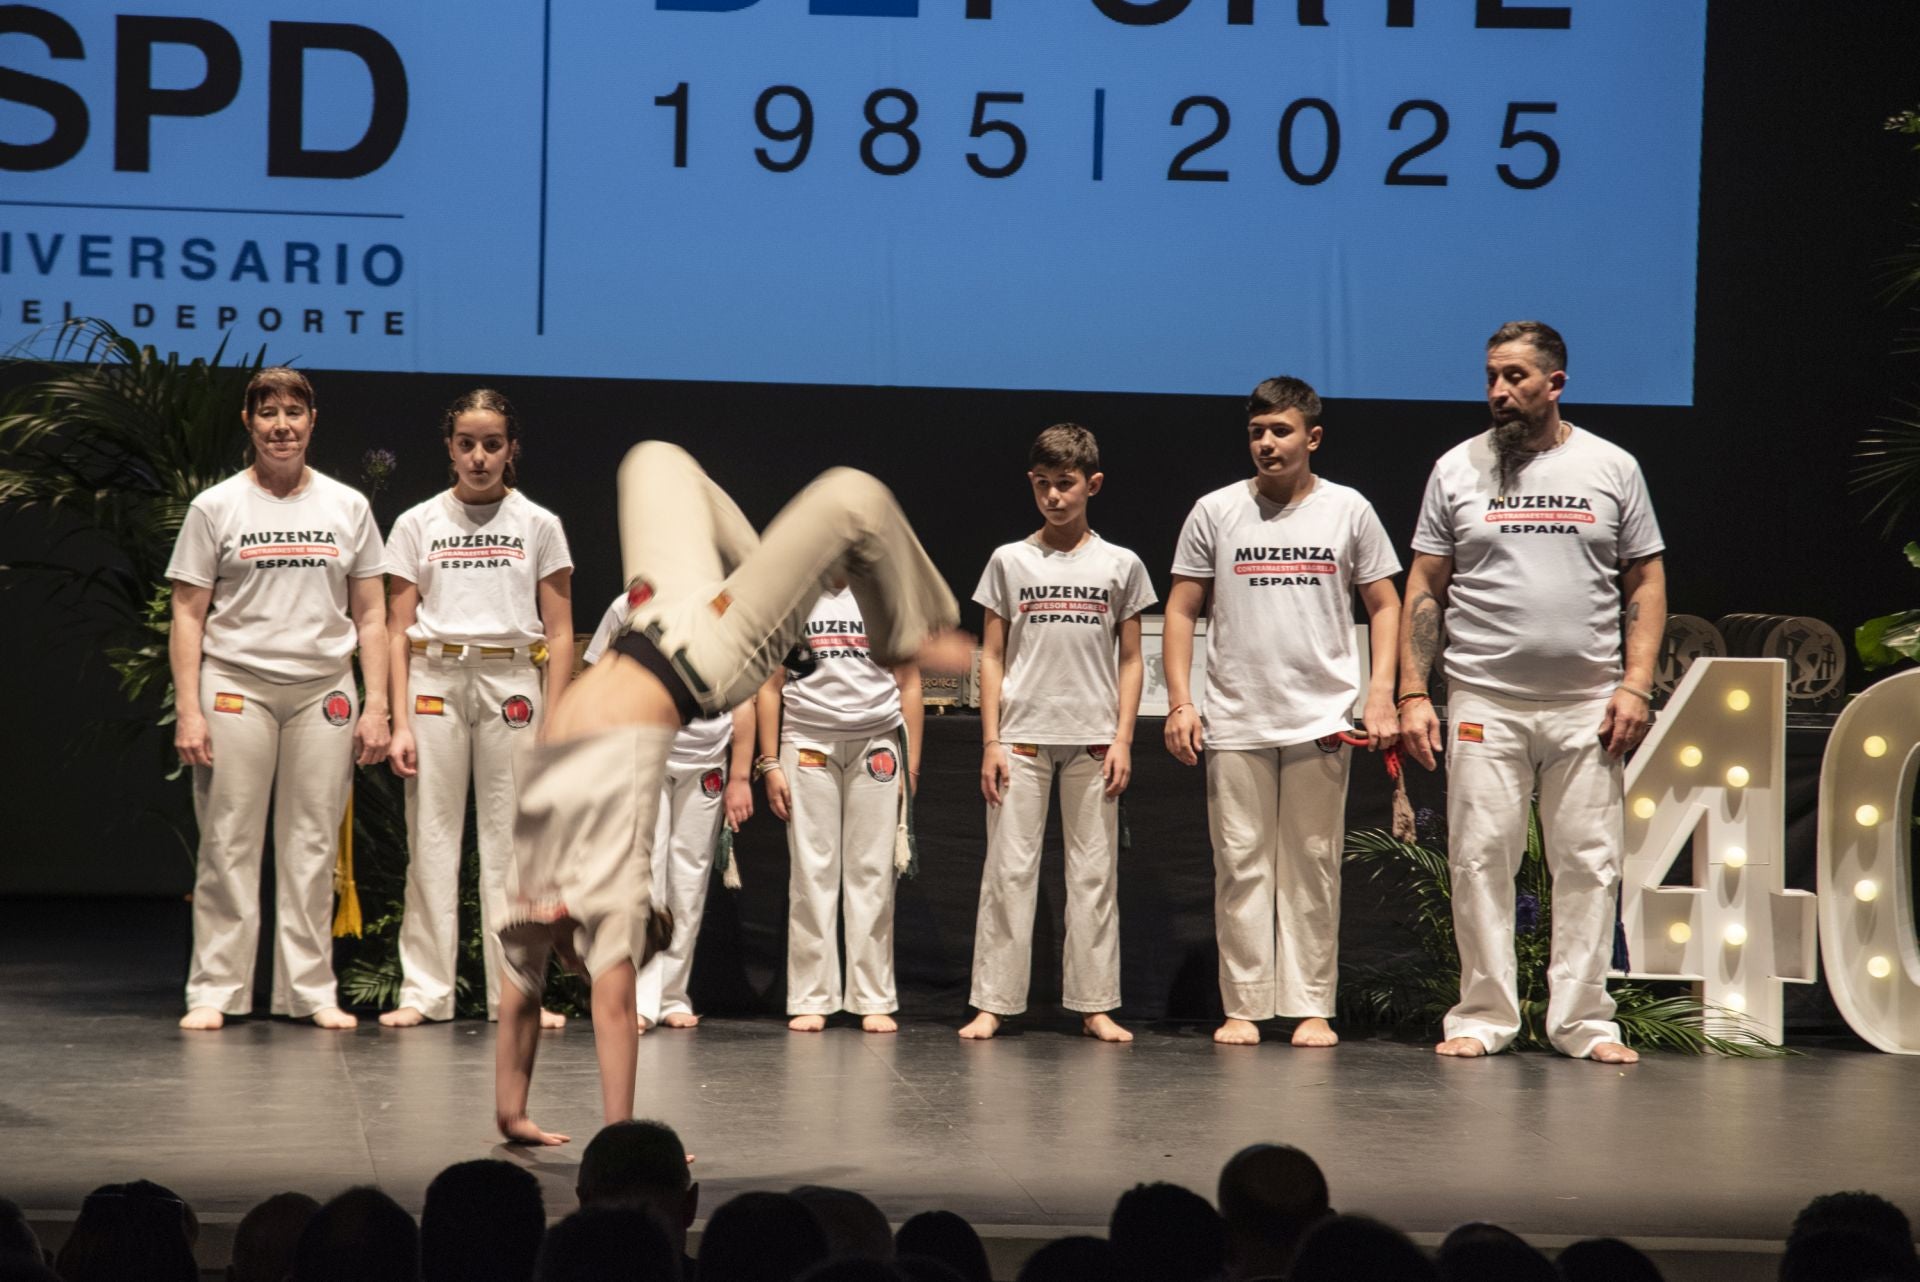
{"x": 1509, "y": 449}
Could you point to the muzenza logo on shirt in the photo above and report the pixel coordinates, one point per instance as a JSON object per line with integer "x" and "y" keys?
{"x": 1284, "y": 567}
{"x": 476, "y": 551}
{"x": 837, "y": 638}
{"x": 1062, "y": 604}
{"x": 1540, "y": 513}
{"x": 289, "y": 549}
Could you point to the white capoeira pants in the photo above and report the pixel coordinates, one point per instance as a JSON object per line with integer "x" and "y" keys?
{"x": 1016, "y": 828}
{"x": 468, "y": 714}
{"x": 1499, "y": 750}
{"x": 291, "y": 745}
{"x": 724, "y": 608}
{"x": 1277, "y": 817}
{"x": 691, "y": 811}
{"x": 840, "y": 834}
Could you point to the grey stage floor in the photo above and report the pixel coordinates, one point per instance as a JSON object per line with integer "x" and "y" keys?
{"x": 1035, "y": 1133}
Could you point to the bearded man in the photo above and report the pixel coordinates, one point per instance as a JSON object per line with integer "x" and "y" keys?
{"x": 1529, "y": 536}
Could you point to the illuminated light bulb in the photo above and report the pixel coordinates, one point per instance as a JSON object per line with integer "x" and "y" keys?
{"x": 1867, "y": 816}
{"x": 1874, "y": 746}
{"x": 1691, "y": 756}
{"x": 1739, "y": 700}
{"x": 1643, "y": 807}
{"x": 1734, "y": 858}
{"x": 1866, "y": 890}
{"x": 1879, "y": 966}
{"x": 1737, "y": 776}
{"x": 1736, "y": 1001}
{"x": 1679, "y": 932}
{"x": 1736, "y": 935}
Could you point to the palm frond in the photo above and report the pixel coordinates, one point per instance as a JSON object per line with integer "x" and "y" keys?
{"x": 1887, "y": 465}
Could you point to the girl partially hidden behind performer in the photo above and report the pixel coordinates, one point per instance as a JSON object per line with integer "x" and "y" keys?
{"x": 714, "y": 609}
{"x": 481, "y": 603}
{"x": 276, "y": 580}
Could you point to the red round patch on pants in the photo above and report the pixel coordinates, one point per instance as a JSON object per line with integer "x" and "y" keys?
{"x": 337, "y": 708}
{"x": 517, "y": 712}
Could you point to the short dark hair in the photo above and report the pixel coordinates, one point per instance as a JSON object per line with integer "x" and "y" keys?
{"x": 761, "y": 1237}
{"x": 1165, "y": 1233}
{"x": 1284, "y": 392}
{"x": 601, "y": 1242}
{"x": 1069, "y": 1259}
{"x": 633, "y": 1159}
{"x": 1272, "y": 1193}
{"x": 1066, "y": 445}
{"x": 944, "y": 1236}
{"x": 1542, "y": 337}
{"x": 1354, "y": 1246}
{"x": 140, "y": 1229}
{"x": 361, "y": 1234}
{"x": 1857, "y": 1211}
{"x": 263, "y": 1243}
{"x": 482, "y": 1219}
{"x": 278, "y": 380}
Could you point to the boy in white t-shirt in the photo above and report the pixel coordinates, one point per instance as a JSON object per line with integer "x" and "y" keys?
{"x": 1282, "y": 555}
{"x": 706, "y": 784}
{"x": 1060, "y": 680}
{"x": 837, "y": 765}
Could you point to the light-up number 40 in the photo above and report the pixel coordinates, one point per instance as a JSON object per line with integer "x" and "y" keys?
{"x": 1714, "y": 770}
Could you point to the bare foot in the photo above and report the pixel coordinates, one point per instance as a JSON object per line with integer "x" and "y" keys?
{"x": 641, "y": 1027}
{"x": 1462, "y": 1048}
{"x": 1101, "y": 1025}
{"x": 681, "y": 1019}
{"x": 402, "y": 1017}
{"x": 1314, "y": 1031}
{"x": 807, "y": 1023}
{"x": 1614, "y": 1053}
{"x": 521, "y": 1130}
{"x": 334, "y": 1018}
{"x": 552, "y": 1018}
{"x": 878, "y": 1024}
{"x": 981, "y": 1026}
{"x": 1237, "y": 1032}
{"x": 203, "y": 1019}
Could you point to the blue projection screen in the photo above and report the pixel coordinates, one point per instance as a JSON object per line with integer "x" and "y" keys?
{"x": 1127, "y": 195}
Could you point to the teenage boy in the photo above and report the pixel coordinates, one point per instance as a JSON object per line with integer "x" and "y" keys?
{"x": 1282, "y": 554}
{"x": 712, "y": 609}
{"x": 706, "y": 784}
{"x": 1060, "y": 678}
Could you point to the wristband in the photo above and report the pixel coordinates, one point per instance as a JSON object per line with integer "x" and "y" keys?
{"x": 1409, "y": 697}
{"x": 1176, "y": 707}
{"x": 1638, "y": 694}
{"x": 763, "y": 766}
{"x": 989, "y": 743}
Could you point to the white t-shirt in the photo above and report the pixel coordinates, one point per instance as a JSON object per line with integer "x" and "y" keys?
{"x": 848, "y": 695}
{"x": 278, "y": 569}
{"x": 1063, "y": 613}
{"x": 1533, "y": 609}
{"x": 1281, "y": 667}
{"x": 700, "y": 743}
{"x": 478, "y": 566}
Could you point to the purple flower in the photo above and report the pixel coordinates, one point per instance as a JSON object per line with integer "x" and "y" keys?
{"x": 1526, "y": 913}
{"x": 377, "y": 468}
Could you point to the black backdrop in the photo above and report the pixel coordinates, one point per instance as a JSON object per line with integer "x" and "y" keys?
{"x": 1801, "y": 194}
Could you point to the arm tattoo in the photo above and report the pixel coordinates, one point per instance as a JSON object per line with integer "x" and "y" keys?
{"x": 1423, "y": 640}
{"x": 1633, "y": 614}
